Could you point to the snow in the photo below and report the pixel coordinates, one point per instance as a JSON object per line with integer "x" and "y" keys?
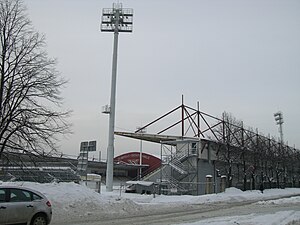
{"x": 144, "y": 183}
{"x": 284, "y": 217}
{"x": 72, "y": 201}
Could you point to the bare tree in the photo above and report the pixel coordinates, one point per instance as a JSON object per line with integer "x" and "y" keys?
{"x": 30, "y": 104}
{"x": 230, "y": 132}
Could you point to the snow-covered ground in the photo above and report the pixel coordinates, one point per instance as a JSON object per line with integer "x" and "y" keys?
{"x": 73, "y": 203}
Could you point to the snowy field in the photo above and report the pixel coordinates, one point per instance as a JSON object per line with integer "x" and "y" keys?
{"x": 76, "y": 204}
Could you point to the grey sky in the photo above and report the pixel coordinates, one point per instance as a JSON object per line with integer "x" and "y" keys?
{"x": 231, "y": 55}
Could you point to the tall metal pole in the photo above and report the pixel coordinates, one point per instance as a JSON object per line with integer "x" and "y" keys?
{"x": 281, "y": 133}
{"x": 110, "y": 148}
{"x": 114, "y": 20}
{"x": 141, "y": 159}
{"x": 141, "y": 131}
{"x": 182, "y": 116}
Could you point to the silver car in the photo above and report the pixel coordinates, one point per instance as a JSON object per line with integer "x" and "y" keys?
{"x": 23, "y": 205}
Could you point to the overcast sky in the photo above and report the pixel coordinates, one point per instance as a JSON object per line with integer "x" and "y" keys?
{"x": 239, "y": 56}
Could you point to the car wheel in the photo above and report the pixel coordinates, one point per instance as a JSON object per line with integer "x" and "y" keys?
{"x": 39, "y": 219}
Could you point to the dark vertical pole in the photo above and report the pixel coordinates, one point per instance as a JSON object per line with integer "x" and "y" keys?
{"x": 198, "y": 118}
{"x": 161, "y": 167}
{"x": 244, "y": 161}
{"x": 223, "y": 128}
{"x": 199, "y": 144}
{"x": 182, "y": 117}
{"x": 268, "y": 164}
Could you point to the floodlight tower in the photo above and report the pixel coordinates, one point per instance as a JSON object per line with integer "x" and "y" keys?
{"x": 116, "y": 19}
{"x": 279, "y": 121}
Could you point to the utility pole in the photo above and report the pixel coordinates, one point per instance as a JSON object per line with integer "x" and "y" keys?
{"x": 114, "y": 20}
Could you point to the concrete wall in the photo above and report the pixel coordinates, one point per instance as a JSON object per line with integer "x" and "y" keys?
{"x": 204, "y": 168}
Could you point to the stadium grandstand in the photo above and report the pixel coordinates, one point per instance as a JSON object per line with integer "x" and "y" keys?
{"x": 44, "y": 169}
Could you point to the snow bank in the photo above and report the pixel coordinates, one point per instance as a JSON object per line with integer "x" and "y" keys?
{"x": 74, "y": 202}
{"x": 230, "y": 195}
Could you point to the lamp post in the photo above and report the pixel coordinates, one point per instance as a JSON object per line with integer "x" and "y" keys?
{"x": 141, "y": 131}
{"x": 279, "y": 121}
{"x": 116, "y": 19}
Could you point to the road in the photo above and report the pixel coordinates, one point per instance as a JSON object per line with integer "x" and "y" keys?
{"x": 193, "y": 213}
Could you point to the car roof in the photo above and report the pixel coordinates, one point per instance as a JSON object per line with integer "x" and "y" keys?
{"x": 22, "y": 188}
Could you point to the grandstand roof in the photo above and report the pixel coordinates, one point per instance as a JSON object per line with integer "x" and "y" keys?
{"x": 156, "y": 138}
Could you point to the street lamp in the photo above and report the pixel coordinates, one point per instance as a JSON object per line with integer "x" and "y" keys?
{"x": 279, "y": 121}
{"x": 141, "y": 131}
{"x": 116, "y": 19}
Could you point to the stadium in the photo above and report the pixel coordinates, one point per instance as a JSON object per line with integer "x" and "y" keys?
{"x": 216, "y": 155}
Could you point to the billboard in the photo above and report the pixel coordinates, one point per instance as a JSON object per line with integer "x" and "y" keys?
{"x": 88, "y": 146}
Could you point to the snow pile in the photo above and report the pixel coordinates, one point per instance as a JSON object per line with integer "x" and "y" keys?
{"x": 292, "y": 200}
{"x": 75, "y": 202}
{"x": 230, "y": 195}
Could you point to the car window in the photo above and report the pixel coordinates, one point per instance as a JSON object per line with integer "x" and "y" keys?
{"x": 2, "y": 195}
{"x": 17, "y": 195}
{"x": 36, "y": 197}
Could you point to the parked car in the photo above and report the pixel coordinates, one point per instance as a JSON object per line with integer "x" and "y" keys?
{"x": 23, "y": 205}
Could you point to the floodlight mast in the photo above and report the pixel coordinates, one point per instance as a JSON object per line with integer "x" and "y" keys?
{"x": 115, "y": 20}
{"x": 279, "y": 121}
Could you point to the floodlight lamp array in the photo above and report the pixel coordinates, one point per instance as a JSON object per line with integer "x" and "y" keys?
{"x": 117, "y": 19}
{"x": 278, "y": 118}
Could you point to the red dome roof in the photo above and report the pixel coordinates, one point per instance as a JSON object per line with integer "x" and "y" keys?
{"x": 134, "y": 158}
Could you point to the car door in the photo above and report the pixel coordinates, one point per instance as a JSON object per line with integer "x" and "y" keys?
{"x": 19, "y": 206}
{"x": 3, "y": 206}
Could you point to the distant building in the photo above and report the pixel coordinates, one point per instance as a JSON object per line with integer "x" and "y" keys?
{"x": 149, "y": 162}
